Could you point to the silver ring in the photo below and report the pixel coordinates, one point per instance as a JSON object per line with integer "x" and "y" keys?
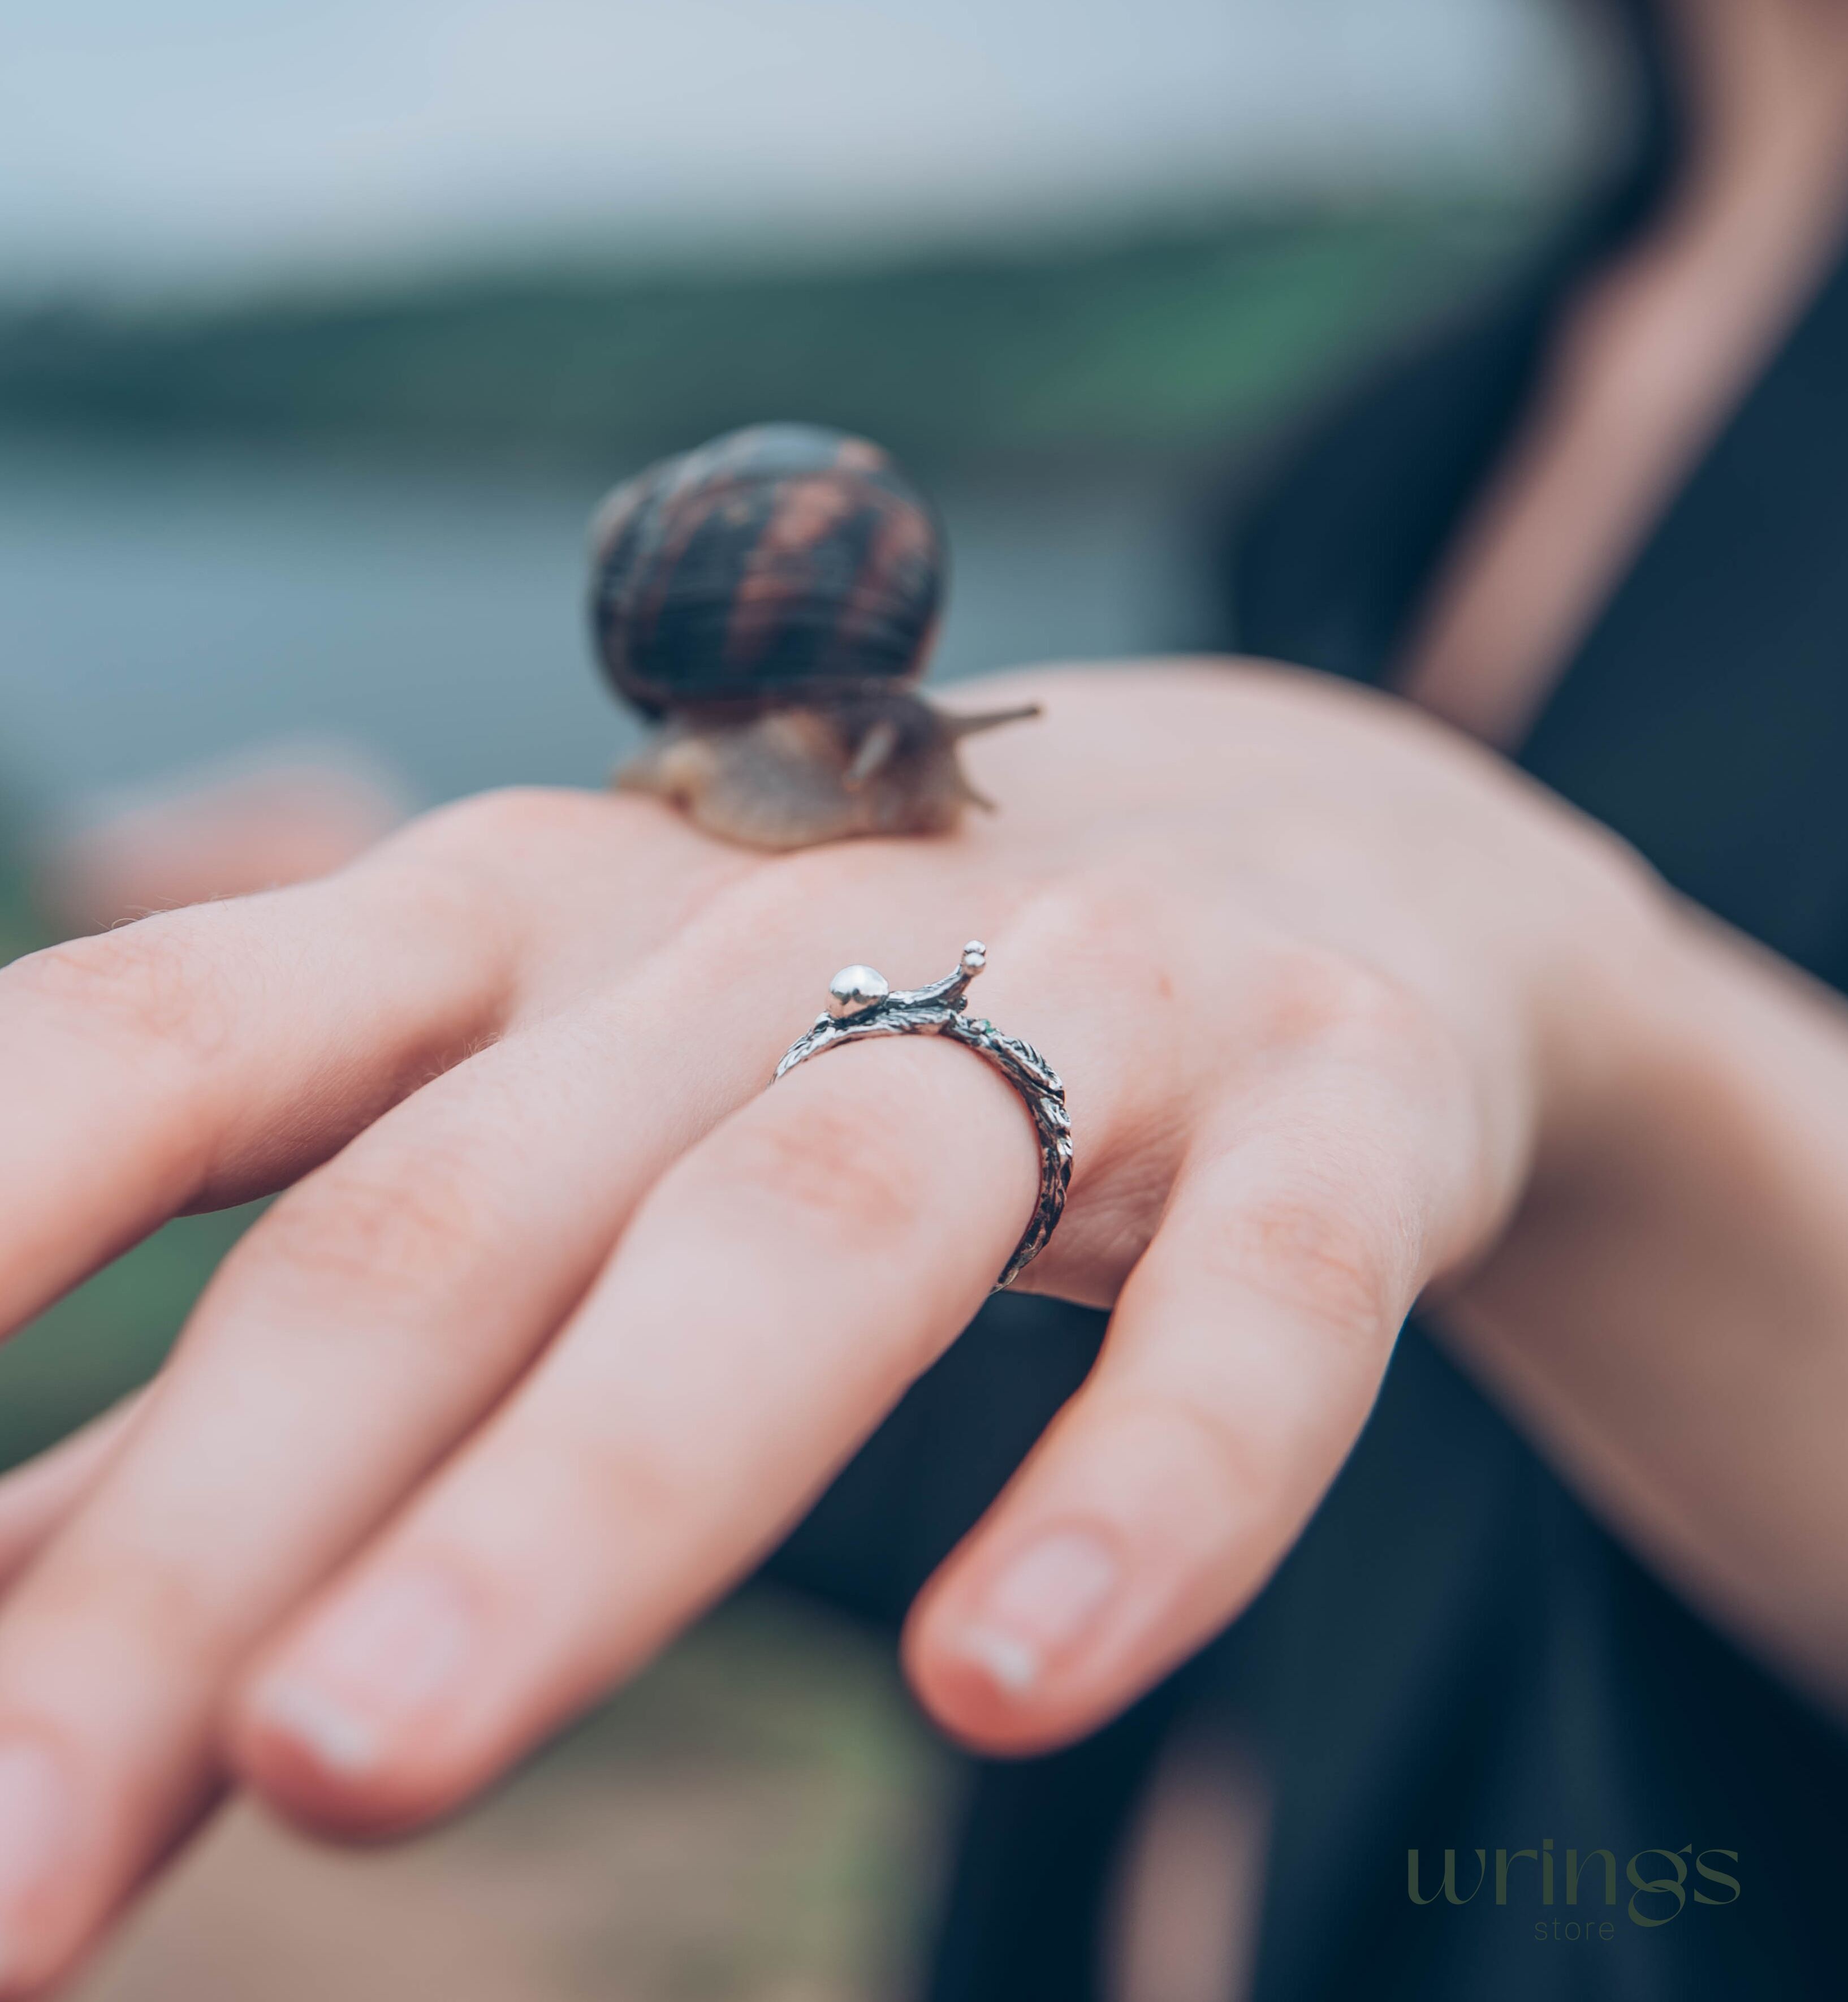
{"x": 860, "y": 1004}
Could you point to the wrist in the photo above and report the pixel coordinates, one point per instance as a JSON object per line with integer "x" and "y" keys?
{"x": 1614, "y": 1037}
{"x": 1612, "y": 1001}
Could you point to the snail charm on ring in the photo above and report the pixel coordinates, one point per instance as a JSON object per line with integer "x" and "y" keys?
{"x": 860, "y": 1004}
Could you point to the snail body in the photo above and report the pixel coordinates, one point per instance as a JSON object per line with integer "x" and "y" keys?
{"x": 769, "y": 600}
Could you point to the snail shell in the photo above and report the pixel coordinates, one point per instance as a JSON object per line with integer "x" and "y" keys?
{"x": 770, "y": 598}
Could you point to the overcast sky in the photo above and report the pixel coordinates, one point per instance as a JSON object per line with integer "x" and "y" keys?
{"x": 169, "y": 142}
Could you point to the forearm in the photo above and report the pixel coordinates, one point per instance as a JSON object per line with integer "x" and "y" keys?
{"x": 1668, "y": 1311}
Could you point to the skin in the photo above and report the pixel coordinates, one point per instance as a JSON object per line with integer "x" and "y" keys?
{"x": 1650, "y": 359}
{"x": 486, "y": 1407}
{"x": 278, "y": 818}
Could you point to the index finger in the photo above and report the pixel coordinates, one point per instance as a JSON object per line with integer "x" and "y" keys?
{"x": 214, "y": 1053}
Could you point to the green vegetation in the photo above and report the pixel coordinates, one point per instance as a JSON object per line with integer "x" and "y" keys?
{"x": 1172, "y": 342}
{"x": 109, "y": 1336}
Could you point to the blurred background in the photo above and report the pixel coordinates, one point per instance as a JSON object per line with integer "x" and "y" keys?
{"x": 322, "y": 328}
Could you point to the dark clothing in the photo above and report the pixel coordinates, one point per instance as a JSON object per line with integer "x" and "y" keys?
{"x": 1457, "y": 1655}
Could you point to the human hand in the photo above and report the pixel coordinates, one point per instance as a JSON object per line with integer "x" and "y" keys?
{"x": 274, "y": 815}
{"x": 566, "y": 1318}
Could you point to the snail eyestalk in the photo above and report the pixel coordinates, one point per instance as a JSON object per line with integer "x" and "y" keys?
{"x": 960, "y": 727}
{"x": 875, "y": 749}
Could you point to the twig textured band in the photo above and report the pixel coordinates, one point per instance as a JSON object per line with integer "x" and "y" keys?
{"x": 860, "y": 1004}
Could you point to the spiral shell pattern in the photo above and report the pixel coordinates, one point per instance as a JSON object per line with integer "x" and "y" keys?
{"x": 776, "y": 566}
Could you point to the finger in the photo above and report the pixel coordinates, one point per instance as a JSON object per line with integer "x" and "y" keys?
{"x": 37, "y": 1498}
{"x": 771, "y": 1299}
{"x": 1242, "y": 1359}
{"x": 213, "y": 1054}
{"x": 360, "y": 1327}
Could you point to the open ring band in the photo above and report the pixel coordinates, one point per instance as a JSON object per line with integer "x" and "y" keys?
{"x": 860, "y": 1004}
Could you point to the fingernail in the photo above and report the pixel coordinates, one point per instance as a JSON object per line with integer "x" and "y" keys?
{"x": 37, "y": 1817}
{"x": 370, "y": 1668}
{"x": 1041, "y": 1605}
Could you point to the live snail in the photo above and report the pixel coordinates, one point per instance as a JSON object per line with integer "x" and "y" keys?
{"x": 769, "y": 600}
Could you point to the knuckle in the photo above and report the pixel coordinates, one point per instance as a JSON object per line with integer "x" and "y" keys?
{"x": 1317, "y": 1000}
{"x": 1325, "y": 1014}
{"x": 129, "y": 1602}
{"x": 412, "y": 1235}
{"x": 158, "y": 983}
{"x": 1095, "y": 961}
{"x": 1098, "y": 924}
{"x": 510, "y": 875}
{"x": 831, "y": 1168}
{"x": 1137, "y": 954}
{"x": 1193, "y": 1444}
{"x": 1314, "y": 1259}
{"x": 607, "y": 1478}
